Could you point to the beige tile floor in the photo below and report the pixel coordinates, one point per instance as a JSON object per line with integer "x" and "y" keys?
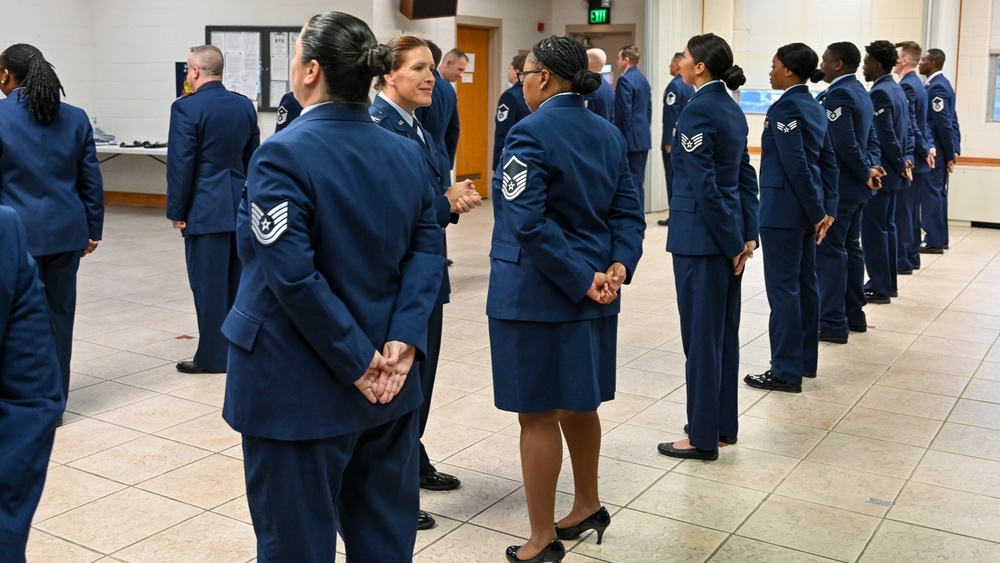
{"x": 892, "y": 454}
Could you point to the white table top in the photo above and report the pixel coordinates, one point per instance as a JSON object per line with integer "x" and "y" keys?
{"x": 115, "y": 149}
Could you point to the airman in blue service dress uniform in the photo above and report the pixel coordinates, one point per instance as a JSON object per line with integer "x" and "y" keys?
{"x": 441, "y": 117}
{"x": 798, "y": 203}
{"x": 318, "y": 358}
{"x": 891, "y": 121}
{"x": 943, "y": 126}
{"x": 288, "y": 109}
{"x": 213, "y": 134}
{"x": 908, "y": 199}
{"x": 840, "y": 261}
{"x": 674, "y": 97}
{"x": 567, "y": 235}
{"x": 602, "y": 100}
{"x": 713, "y": 231}
{"x": 31, "y": 394}
{"x": 633, "y": 114}
{"x": 408, "y": 85}
{"x": 511, "y": 109}
{"x": 49, "y": 175}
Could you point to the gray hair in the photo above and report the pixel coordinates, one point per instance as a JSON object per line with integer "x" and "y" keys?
{"x": 209, "y": 59}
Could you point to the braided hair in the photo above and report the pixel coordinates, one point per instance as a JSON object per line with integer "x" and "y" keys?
{"x": 38, "y": 79}
{"x": 566, "y": 58}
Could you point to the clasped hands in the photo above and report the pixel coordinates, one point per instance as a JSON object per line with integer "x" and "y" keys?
{"x": 740, "y": 260}
{"x": 875, "y": 177}
{"x": 463, "y": 197}
{"x": 822, "y": 227}
{"x": 387, "y": 372}
{"x": 604, "y": 288}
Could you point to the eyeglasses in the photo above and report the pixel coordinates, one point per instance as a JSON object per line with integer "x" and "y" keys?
{"x": 520, "y": 75}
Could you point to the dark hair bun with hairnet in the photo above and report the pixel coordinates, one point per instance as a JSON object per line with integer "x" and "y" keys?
{"x": 586, "y": 81}
{"x": 733, "y": 77}
{"x": 375, "y": 61}
{"x": 816, "y": 75}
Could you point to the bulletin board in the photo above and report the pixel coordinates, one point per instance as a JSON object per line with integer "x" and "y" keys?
{"x": 258, "y": 60}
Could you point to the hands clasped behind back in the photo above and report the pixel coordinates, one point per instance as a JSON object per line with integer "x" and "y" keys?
{"x": 387, "y": 372}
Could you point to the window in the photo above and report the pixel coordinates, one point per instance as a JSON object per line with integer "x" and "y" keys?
{"x": 995, "y": 89}
{"x": 758, "y": 101}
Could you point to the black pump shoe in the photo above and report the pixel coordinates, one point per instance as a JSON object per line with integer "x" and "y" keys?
{"x": 598, "y": 521}
{"x": 553, "y": 553}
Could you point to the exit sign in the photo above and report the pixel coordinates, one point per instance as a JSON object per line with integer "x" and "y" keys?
{"x": 599, "y": 15}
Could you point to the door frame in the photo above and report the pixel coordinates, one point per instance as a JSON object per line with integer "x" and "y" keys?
{"x": 496, "y": 66}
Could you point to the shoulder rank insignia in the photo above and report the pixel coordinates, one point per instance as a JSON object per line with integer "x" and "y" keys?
{"x": 671, "y": 98}
{"x": 282, "y": 115}
{"x": 502, "y": 112}
{"x": 791, "y": 126}
{"x": 833, "y": 115}
{"x": 515, "y": 178}
{"x": 268, "y": 227}
{"x": 879, "y": 112}
{"x": 692, "y": 142}
{"x": 937, "y": 103}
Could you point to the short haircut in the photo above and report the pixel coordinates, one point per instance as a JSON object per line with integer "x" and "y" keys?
{"x": 678, "y": 55}
{"x": 847, "y": 52}
{"x": 911, "y": 50}
{"x": 936, "y": 56}
{"x": 597, "y": 58}
{"x": 435, "y": 52}
{"x": 884, "y": 53}
{"x": 518, "y": 62}
{"x": 631, "y": 52}
{"x": 455, "y": 54}
{"x": 209, "y": 59}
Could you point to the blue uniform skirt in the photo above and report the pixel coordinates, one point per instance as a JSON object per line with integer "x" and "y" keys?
{"x": 540, "y": 366}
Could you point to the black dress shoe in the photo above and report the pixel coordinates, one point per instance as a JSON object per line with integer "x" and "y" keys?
{"x": 876, "y": 298}
{"x": 893, "y": 294}
{"x": 552, "y": 553}
{"x": 809, "y": 374}
{"x": 924, "y": 249}
{"x": 916, "y": 266}
{"x": 829, "y": 337}
{"x": 769, "y": 382}
{"x": 425, "y": 521}
{"x": 432, "y": 480}
{"x": 598, "y": 521}
{"x": 724, "y": 439}
{"x": 191, "y": 367}
{"x": 858, "y": 328}
{"x": 663, "y": 222}
{"x": 905, "y": 272}
{"x": 669, "y": 450}
{"x": 451, "y": 262}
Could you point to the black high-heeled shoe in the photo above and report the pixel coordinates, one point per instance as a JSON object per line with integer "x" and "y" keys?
{"x": 553, "y": 553}
{"x": 598, "y": 521}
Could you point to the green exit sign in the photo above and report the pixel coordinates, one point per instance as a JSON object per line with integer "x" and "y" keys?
{"x": 599, "y": 15}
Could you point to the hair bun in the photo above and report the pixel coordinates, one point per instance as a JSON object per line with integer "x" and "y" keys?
{"x": 816, "y": 75}
{"x": 733, "y": 77}
{"x": 375, "y": 61}
{"x": 585, "y": 81}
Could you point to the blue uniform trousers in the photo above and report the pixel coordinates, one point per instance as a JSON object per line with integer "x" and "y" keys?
{"x": 637, "y": 168}
{"x": 710, "y": 331}
{"x": 908, "y": 223}
{"x": 214, "y": 274}
{"x": 934, "y": 208}
{"x": 668, "y": 174}
{"x": 58, "y": 275}
{"x": 428, "y": 372}
{"x": 840, "y": 268}
{"x": 790, "y": 278}
{"x": 363, "y": 485}
{"x": 878, "y": 234}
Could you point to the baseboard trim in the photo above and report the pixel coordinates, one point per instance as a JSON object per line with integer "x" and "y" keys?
{"x": 133, "y": 199}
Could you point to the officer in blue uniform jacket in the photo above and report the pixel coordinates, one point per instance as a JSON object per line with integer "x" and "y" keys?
{"x": 633, "y": 114}
{"x": 602, "y": 100}
{"x": 840, "y": 261}
{"x": 288, "y": 109}
{"x": 49, "y": 175}
{"x": 674, "y": 97}
{"x": 511, "y": 108}
{"x": 31, "y": 395}
{"x": 441, "y": 117}
{"x": 891, "y": 121}
{"x": 318, "y": 358}
{"x": 798, "y": 203}
{"x": 908, "y": 199}
{"x": 213, "y": 134}
{"x": 942, "y": 122}
{"x": 713, "y": 231}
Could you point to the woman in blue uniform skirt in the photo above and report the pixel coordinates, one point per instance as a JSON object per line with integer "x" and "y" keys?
{"x": 567, "y": 235}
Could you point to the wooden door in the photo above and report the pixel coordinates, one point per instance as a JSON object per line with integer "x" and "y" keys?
{"x": 473, "y": 158}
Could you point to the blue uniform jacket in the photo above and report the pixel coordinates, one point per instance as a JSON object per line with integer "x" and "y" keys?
{"x": 850, "y": 113}
{"x": 288, "y": 109}
{"x": 634, "y": 110}
{"x": 31, "y": 397}
{"x": 674, "y": 97}
{"x": 340, "y": 255}
{"x": 916, "y": 97}
{"x": 563, "y": 210}
{"x": 510, "y": 110}
{"x": 50, "y": 176}
{"x": 941, "y": 119}
{"x": 441, "y": 119}
{"x": 892, "y": 127}
{"x": 437, "y": 180}
{"x": 714, "y": 207}
{"x": 213, "y": 134}
{"x": 602, "y": 100}
{"x": 795, "y": 193}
